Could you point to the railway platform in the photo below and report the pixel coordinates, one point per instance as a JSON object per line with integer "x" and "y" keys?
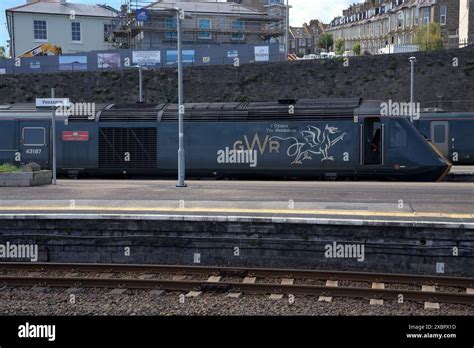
{"x": 461, "y": 173}
{"x": 402, "y": 202}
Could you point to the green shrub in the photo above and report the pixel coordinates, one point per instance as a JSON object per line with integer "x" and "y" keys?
{"x": 8, "y": 168}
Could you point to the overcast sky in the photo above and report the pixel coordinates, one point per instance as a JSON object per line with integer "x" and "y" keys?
{"x": 302, "y": 10}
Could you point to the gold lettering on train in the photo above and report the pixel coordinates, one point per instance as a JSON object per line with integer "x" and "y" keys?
{"x": 271, "y": 145}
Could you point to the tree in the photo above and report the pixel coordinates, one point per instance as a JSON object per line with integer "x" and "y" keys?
{"x": 356, "y": 48}
{"x": 340, "y": 46}
{"x": 428, "y": 37}
{"x": 2, "y": 52}
{"x": 325, "y": 41}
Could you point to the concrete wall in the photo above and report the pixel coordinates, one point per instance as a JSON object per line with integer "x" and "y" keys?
{"x": 374, "y": 77}
{"x": 388, "y": 247}
{"x": 59, "y": 32}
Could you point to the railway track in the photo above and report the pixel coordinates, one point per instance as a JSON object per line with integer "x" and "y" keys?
{"x": 37, "y": 274}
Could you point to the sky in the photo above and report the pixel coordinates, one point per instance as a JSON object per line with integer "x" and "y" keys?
{"x": 302, "y": 11}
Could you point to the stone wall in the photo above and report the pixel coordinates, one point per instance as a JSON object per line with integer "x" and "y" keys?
{"x": 388, "y": 247}
{"x": 371, "y": 77}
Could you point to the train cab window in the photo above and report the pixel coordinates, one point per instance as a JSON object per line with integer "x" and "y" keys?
{"x": 439, "y": 134}
{"x": 34, "y": 136}
{"x": 372, "y": 141}
{"x": 398, "y": 134}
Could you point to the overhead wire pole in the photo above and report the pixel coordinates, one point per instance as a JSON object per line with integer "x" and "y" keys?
{"x": 181, "y": 158}
{"x": 287, "y": 28}
{"x": 412, "y": 87}
{"x": 53, "y": 120}
{"x": 140, "y": 82}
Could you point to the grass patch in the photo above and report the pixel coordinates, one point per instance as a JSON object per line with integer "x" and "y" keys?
{"x": 27, "y": 168}
{"x": 8, "y": 168}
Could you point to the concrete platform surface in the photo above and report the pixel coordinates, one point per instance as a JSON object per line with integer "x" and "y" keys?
{"x": 447, "y": 202}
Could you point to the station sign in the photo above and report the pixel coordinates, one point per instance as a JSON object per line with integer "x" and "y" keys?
{"x": 75, "y": 136}
{"x": 51, "y": 102}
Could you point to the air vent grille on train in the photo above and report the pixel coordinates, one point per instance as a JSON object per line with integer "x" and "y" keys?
{"x": 129, "y": 115}
{"x": 126, "y": 148}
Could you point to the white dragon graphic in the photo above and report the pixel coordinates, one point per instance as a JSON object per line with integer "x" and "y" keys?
{"x": 317, "y": 142}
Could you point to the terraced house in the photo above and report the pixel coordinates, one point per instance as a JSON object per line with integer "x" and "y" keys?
{"x": 378, "y": 23}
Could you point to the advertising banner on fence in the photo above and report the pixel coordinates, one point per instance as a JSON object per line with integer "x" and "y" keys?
{"x": 146, "y": 58}
{"x": 72, "y": 63}
{"x": 232, "y": 54}
{"x": 262, "y": 54}
{"x": 108, "y": 60}
{"x": 3, "y": 71}
{"x": 35, "y": 65}
{"x": 172, "y": 56}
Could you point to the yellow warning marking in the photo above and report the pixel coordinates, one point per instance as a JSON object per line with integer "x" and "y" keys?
{"x": 242, "y": 210}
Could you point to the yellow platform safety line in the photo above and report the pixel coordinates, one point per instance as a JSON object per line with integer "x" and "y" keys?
{"x": 243, "y": 210}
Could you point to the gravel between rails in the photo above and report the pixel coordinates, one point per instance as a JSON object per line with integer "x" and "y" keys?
{"x": 88, "y": 301}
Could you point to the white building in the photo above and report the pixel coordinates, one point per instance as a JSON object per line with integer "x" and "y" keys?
{"x": 466, "y": 22}
{"x": 73, "y": 27}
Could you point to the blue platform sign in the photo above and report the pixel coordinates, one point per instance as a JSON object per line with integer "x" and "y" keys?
{"x": 142, "y": 15}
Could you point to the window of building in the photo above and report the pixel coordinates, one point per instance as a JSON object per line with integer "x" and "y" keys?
{"x": 204, "y": 24}
{"x": 408, "y": 18}
{"x": 76, "y": 31}
{"x": 238, "y": 26}
{"x": 400, "y": 20}
{"x": 170, "y": 23}
{"x": 417, "y": 16}
{"x": 426, "y": 15}
{"x": 393, "y": 20}
{"x": 107, "y": 31}
{"x": 442, "y": 14}
{"x": 40, "y": 30}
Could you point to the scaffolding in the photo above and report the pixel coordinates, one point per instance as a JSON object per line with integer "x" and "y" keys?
{"x": 127, "y": 32}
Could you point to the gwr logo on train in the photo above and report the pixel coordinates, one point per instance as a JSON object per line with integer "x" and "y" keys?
{"x": 312, "y": 141}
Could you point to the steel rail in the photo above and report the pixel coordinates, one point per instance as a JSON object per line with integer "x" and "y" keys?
{"x": 253, "y": 288}
{"x": 244, "y": 271}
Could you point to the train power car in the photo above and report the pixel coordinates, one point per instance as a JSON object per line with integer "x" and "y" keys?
{"x": 340, "y": 138}
{"x": 451, "y": 132}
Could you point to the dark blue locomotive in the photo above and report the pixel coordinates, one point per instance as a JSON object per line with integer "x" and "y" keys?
{"x": 342, "y": 138}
